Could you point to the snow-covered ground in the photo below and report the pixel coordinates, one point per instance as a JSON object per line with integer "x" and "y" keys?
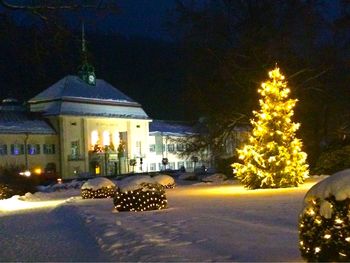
{"x": 204, "y": 222}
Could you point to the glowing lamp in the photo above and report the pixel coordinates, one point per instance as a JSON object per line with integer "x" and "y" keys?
{"x": 26, "y": 173}
{"x": 38, "y": 171}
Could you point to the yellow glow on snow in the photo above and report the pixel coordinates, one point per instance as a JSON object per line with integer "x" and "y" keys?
{"x": 230, "y": 190}
{"x": 10, "y": 205}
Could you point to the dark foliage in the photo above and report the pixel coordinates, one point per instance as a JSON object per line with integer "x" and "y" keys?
{"x": 11, "y": 183}
{"x": 323, "y": 239}
{"x": 147, "y": 197}
{"x": 333, "y": 160}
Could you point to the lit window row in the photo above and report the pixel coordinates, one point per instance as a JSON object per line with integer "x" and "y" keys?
{"x": 169, "y": 147}
{"x": 32, "y": 149}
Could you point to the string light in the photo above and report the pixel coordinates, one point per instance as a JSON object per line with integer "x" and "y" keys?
{"x": 273, "y": 158}
{"x": 325, "y": 238}
{"x": 104, "y": 192}
{"x": 151, "y": 197}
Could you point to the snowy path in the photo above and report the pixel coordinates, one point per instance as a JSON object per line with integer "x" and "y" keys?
{"x": 203, "y": 223}
{"x": 44, "y": 235}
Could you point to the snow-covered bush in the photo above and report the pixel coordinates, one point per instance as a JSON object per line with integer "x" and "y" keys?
{"x": 324, "y": 224}
{"x": 165, "y": 180}
{"x": 99, "y": 187}
{"x": 136, "y": 195}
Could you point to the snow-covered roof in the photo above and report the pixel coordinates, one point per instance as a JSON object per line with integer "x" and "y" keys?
{"x": 73, "y": 87}
{"x": 170, "y": 128}
{"x": 73, "y": 96}
{"x": 21, "y": 121}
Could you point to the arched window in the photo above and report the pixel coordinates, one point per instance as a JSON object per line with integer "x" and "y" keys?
{"x": 94, "y": 137}
{"x": 106, "y": 138}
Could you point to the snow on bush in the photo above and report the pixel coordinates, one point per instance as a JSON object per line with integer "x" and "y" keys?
{"x": 165, "y": 180}
{"x": 99, "y": 187}
{"x": 134, "y": 182}
{"x": 140, "y": 194}
{"x": 324, "y": 224}
{"x": 215, "y": 178}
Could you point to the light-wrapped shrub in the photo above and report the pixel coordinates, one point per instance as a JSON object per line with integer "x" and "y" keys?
{"x": 165, "y": 180}
{"x": 324, "y": 224}
{"x": 99, "y": 187}
{"x": 140, "y": 194}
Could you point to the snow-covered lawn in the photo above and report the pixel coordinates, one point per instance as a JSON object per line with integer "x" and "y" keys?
{"x": 204, "y": 222}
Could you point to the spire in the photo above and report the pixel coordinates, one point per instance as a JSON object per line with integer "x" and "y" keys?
{"x": 87, "y": 71}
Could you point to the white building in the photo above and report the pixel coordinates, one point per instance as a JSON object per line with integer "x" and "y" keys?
{"x": 164, "y": 145}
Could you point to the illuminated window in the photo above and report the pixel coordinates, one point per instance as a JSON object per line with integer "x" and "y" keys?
{"x": 152, "y": 147}
{"x": 106, "y": 138}
{"x": 33, "y": 149}
{"x": 94, "y": 137}
{"x": 3, "y": 149}
{"x": 17, "y": 149}
{"x": 49, "y": 149}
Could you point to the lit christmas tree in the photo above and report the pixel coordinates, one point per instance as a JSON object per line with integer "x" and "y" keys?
{"x": 273, "y": 157}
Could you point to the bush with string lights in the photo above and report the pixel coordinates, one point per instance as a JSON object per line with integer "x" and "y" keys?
{"x": 142, "y": 196}
{"x": 324, "y": 224}
{"x": 98, "y": 188}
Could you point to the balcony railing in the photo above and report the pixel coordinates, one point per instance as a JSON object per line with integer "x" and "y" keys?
{"x": 76, "y": 157}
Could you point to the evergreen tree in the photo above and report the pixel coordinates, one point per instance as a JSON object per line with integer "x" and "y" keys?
{"x": 273, "y": 157}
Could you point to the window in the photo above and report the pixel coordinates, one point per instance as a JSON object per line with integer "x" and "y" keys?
{"x": 172, "y": 166}
{"x": 49, "y": 149}
{"x": 94, "y": 137}
{"x": 189, "y": 164}
{"x": 3, "y": 149}
{"x": 152, "y": 166}
{"x": 106, "y": 138}
{"x": 180, "y": 164}
{"x": 138, "y": 148}
{"x": 171, "y": 147}
{"x": 74, "y": 149}
{"x": 160, "y": 166}
{"x": 152, "y": 147}
{"x": 180, "y": 147}
{"x": 33, "y": 149}
{"x": 17, "y": 149}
